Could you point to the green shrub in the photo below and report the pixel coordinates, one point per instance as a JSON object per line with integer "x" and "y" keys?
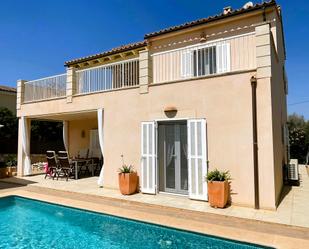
{"x": 217, "y": 175}
{"x": 11, "y": 160}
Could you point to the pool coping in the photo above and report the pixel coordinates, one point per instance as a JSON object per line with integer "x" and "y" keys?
{"x": 220, "y": 225}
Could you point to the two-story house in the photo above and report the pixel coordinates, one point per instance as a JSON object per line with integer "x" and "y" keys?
{"x": 206, "y": 94}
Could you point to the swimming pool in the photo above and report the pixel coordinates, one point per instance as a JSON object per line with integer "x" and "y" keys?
{"x": 26, "y": 223}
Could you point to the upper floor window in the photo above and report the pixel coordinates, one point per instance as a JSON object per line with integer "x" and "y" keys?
{"x": 205, "y": 60}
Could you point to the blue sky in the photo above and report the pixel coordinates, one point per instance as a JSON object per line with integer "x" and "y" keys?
{"x": 36, "y": 37}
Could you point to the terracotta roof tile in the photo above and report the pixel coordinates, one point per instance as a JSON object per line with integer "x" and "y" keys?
{"x": 140, "y": 44}
{"x": 210, "y": 19}
{"x": 119, "y": 49}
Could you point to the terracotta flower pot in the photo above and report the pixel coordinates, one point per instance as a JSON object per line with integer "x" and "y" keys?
{"x": 11, "y": 171}
{"x": 127, "y": 183}
{"x": 218, "y": 193}
{"x": 3, "y": 172}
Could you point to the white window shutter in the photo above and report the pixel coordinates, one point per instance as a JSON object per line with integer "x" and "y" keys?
{"x": 223, "y": 57}
{"x": 227, "y": 57}
{"x": 186, "y": 64}
{"x": 197, "y": 159}
{"x": 149, "y": 157}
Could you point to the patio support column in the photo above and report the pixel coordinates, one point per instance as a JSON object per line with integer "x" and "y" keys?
{"x": 71, "y": 84}
{"x": 145, "y": 71}
{"x": 23, "y": 159}
{"x": 66, "y": 135}
{"x": 100, "y": 116}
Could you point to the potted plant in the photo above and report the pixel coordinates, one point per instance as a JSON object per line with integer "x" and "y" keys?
{"x": 11, "y": 163}
{"x": 218, "y": 188}
{"x": 127, "y": 180}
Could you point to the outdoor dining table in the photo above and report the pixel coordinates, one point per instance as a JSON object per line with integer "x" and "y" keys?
{"x": 78, "y": 162}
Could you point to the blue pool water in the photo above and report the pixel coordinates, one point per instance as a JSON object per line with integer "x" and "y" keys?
{"x": 26, "y": 223}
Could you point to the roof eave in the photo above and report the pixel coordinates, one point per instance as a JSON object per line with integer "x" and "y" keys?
{"x": 211, "y": 19}
{"x": 108, "y": 53}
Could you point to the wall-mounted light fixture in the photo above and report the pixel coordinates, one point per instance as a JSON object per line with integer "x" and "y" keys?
{"x": 83, "y": 133}
{"x": 170, "y": 111}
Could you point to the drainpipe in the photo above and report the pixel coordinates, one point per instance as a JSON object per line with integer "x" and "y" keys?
{"x": 255, "y": 144}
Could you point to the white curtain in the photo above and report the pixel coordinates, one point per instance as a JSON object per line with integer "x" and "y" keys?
{"x": 100, "y": 131}
{"x": 26, "y": 146}
{"x": 66, "y": 135}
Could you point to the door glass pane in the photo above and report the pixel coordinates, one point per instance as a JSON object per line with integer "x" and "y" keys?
{"x": 170, "y": 156}
{"x": 192, "y": 142}
{"x": 183, "y": 156}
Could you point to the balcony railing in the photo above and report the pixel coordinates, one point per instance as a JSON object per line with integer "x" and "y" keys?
{"x": 108, "y": 77}
{"x": 46, "y": 88}
{"x": 210, "y": 58}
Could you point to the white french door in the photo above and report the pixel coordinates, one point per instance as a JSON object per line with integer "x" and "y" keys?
{"x": 197, "y": 159}
{"x": 149, "y": 157}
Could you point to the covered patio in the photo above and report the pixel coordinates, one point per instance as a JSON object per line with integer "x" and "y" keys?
{"x": 82, "y": 142}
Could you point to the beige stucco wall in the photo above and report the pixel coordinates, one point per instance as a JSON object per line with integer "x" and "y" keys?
{"x": 8, "y": 100}
{"x": 224, "y": 101}
{"x": 77, "y": 140}
{"x": 279, "y": 107}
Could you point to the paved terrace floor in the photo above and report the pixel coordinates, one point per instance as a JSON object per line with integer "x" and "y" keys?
{"x": 285, "y": 228}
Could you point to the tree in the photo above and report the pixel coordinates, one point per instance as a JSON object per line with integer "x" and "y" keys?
{"x": 10, "y": 124}
{"x": 299, "y": 136}
{"x": 44, "y": 134}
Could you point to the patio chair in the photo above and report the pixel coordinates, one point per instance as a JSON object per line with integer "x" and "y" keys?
{"x": 52, "y": 164}
{"x": 84, "y": 168}
{"x": 66, "y": 168}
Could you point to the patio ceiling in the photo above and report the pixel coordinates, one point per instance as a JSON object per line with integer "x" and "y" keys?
{"x": 68, "y": 116}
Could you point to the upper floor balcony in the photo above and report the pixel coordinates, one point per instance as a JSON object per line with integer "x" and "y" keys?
{"x": 108, "y": 77}
{"x": 147, "y": 66}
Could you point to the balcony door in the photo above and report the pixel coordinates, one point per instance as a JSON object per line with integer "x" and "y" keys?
{"x": 172, "y": 157}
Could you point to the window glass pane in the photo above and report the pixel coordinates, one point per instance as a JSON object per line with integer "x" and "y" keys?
{"x": 204, "y": 61}
{"x": 195, "y": 63}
